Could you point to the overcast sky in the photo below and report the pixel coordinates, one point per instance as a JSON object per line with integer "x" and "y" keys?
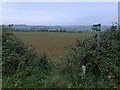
{"x": 59, "y": 13}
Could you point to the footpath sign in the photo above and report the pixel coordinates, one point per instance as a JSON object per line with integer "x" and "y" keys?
{"x": 97, "y": 28}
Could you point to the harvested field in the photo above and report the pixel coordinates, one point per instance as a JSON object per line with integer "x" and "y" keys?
{"x": 53, "y": 43}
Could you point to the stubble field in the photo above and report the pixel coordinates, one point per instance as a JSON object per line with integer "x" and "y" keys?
{"x": 52, "y": 43}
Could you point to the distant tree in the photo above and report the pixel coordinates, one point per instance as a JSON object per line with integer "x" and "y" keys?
{"x": 79, "y": 31}
{"x": 64, "y": 30}
{"x": 61, "y": 30}
{"x": 7, "y": 27}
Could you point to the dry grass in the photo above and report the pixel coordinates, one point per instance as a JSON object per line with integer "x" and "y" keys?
{"x": 52, "y": 43}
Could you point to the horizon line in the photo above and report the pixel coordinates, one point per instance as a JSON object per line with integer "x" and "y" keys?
{"x": 55, "y": 25}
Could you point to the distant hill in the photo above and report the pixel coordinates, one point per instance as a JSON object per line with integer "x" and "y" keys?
{"x": 67, "y": 28}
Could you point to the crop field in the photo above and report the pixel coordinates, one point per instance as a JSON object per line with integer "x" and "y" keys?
{"x": 52, "y": 43}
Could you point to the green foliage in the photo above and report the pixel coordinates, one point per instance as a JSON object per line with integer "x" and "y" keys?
{"x": 23, "y": 67}
{"x": 103, "y": 63}
{"x": 19, "y": 62}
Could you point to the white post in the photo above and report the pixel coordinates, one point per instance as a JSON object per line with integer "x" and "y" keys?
{"x": 98, "y": 38}
{"x": 97, "y": 28}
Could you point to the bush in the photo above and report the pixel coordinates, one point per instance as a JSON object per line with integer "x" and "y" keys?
{"x": 103, "y": 70}
{"x": 20, "y": 61}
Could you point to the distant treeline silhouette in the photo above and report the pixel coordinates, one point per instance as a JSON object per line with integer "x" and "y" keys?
{"x": 46, "y": 30}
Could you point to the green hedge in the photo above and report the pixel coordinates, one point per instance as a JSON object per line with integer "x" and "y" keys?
{"x": 102, "y": 65}
{"x": 20, "y": 62}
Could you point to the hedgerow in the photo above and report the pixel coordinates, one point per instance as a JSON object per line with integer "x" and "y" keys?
{"x": 23, "y": 67}
{"x": 104, "y": 62}
{"x": 20, "y": 61}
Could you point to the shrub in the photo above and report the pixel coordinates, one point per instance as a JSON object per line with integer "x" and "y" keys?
{"x": 104, "y": 63}
{"x": 20, "y": 61}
